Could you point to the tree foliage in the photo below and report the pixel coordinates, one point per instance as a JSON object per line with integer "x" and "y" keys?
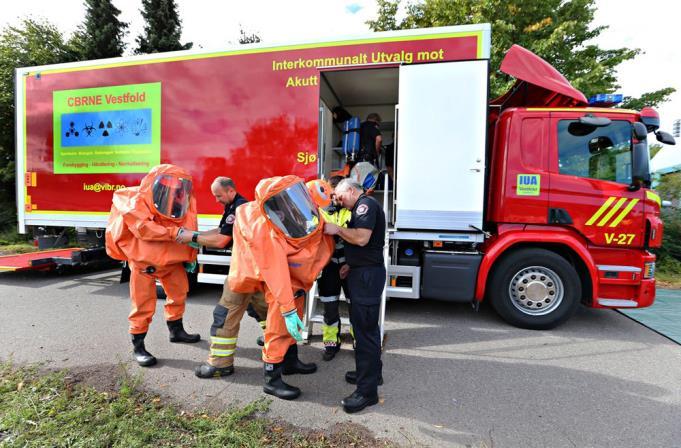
{"x": 101, "y": 34}
{"x": 248, "y": 37}
{"x": 559, "y": 31}
{"x": 670, "y": 186}
{"x": 31, "y": 43}
{"x": 162, "y": 29}
{"x": 650, "y": 99}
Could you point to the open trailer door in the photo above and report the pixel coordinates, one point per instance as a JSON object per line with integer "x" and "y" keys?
{"x": 441, "y": 146}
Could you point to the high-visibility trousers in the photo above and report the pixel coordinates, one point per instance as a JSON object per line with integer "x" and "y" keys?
{"x": 227, "y": 317}
{"x": 173, "y": 278}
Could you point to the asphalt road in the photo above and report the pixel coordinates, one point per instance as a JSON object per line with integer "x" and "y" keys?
{"x": 453, "y": 377}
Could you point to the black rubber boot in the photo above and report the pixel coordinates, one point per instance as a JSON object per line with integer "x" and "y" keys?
{"x": 274, "y": 385}
{"x": 141, "y": 355}
{"x": 294, "y": 365}
{"x": 208, "y": 371}
{"x": 330, "y": 352}
{"x": 177, "y": 333}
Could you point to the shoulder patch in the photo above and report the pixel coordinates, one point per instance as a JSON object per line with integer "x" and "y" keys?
{"x": 230, "y": 219}
{"x": 362, "y": 209}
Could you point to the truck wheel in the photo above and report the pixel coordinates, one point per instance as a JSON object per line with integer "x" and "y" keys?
{"x": 535, "y": 289}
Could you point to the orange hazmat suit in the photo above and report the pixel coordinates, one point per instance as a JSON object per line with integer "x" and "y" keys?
{"x": 279, "y": 246}
{"x": 141, "y": 230}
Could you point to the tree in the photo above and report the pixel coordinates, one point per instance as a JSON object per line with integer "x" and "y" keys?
{"x": 670, "y": 186}
{"x": 650, "y": 99}
{"x": 248, "y": 38}
{"x": 162, "y": 29}
{"x": 31, "y": 43}
{"x": 101, "y": 33}
{"x": 559, "y": 31}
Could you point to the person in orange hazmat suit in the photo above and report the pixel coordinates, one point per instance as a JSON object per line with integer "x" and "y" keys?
{"x": 279, "y": 247}
{"x": 142, "y": 228}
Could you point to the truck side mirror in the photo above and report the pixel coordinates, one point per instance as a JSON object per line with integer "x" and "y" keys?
{"x": 665, "y": 137}
{"x": 640, "y": 131}
{"x": 640, "y": 171}
{"x": 591, "y": 120}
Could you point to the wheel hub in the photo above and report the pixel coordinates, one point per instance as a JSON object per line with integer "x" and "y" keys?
{"x": 536, "y": 290}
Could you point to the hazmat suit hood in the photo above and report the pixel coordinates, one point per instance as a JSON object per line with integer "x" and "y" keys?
{"x": 145, "y": 220}
{"x": 279, "y": 241}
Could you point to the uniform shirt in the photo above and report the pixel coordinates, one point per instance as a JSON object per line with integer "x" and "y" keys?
{"x": 367, "y": 214}
{"x": 227, "y": 222}
{"x": 368, "y": 131}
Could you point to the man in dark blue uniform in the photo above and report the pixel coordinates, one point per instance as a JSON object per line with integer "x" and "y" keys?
{"x": 365, "y": 270}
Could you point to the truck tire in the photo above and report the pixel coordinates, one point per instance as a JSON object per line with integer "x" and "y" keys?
{"x": 535, "y": 289}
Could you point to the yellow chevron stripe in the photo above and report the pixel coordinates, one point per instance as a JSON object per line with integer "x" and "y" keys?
{"x": 624, "y": 213}
{"x": 600, "y": 211}
{"x": 653, "y": 197}
{"x": 612, "y": 211}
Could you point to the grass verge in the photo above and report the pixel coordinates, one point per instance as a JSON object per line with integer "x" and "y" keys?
{"x": 50, "y": 409}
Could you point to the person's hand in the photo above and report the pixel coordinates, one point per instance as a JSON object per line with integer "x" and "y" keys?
{"x": 344, "y": 271}
{"x": 331, "y": 229}
{"x": 184, "y": 237}
{"x": 190, "y": 266}
{"x": 293, "y": 324}
{"x": 179, "y": 234}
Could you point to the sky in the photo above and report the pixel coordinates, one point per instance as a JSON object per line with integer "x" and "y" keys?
{"x": 214, "y": 24}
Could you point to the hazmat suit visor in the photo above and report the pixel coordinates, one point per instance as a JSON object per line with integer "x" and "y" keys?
{"x": 293, "y": 211}
{"x": 171, "y": 195}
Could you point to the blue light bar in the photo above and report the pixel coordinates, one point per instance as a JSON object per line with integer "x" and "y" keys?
{"x": 605, "y": 99}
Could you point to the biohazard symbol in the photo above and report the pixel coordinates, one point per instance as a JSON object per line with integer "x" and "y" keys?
{"x": 72, "y": 130}
{"x": 89, "y": 129}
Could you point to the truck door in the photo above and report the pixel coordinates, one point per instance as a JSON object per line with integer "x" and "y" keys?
{"x": 590, "y": 179}
{"x": 440, "y": 168}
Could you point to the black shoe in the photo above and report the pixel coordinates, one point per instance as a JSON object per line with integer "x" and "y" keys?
{"x": 274, "y": 385}
{"x": 330, "y": 352}
{"x": 141, "y": 355}
{"x": 260, "y": 340}
{"x": 294, "y": 365}
{"x": 351, "y": 377}
{"x": 177, "y": 333}
{"x": 356, "y": 402}
{"x": 208, "y": 371}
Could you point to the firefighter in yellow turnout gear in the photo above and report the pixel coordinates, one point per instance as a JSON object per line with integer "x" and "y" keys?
{"x": 332, "y": 278}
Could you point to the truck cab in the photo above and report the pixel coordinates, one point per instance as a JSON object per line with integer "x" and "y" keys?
{"x": 569, "y": 203}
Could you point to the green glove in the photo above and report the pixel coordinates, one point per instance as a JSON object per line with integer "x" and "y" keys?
{"x": 190, "y": 266}
{"x": 293, "y": 324}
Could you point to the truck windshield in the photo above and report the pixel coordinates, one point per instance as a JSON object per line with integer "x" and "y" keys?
{"x": 602, "y": 153}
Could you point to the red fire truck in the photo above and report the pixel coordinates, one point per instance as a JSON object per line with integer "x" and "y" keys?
{"x": 535, "y": 201}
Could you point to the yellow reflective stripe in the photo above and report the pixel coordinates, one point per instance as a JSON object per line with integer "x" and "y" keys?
{"x": 224, "y": 341}
{"x": 263, "y": 323}
{"x": 624, "y": 213}
{"x": 653, "y": 197}
{"x": 612, "y": 211}
{"x": 600, "y": 211}
{"x": 220, "y": 353}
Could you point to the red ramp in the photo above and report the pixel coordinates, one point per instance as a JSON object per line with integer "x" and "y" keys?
{"x": 41, "y": 260}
